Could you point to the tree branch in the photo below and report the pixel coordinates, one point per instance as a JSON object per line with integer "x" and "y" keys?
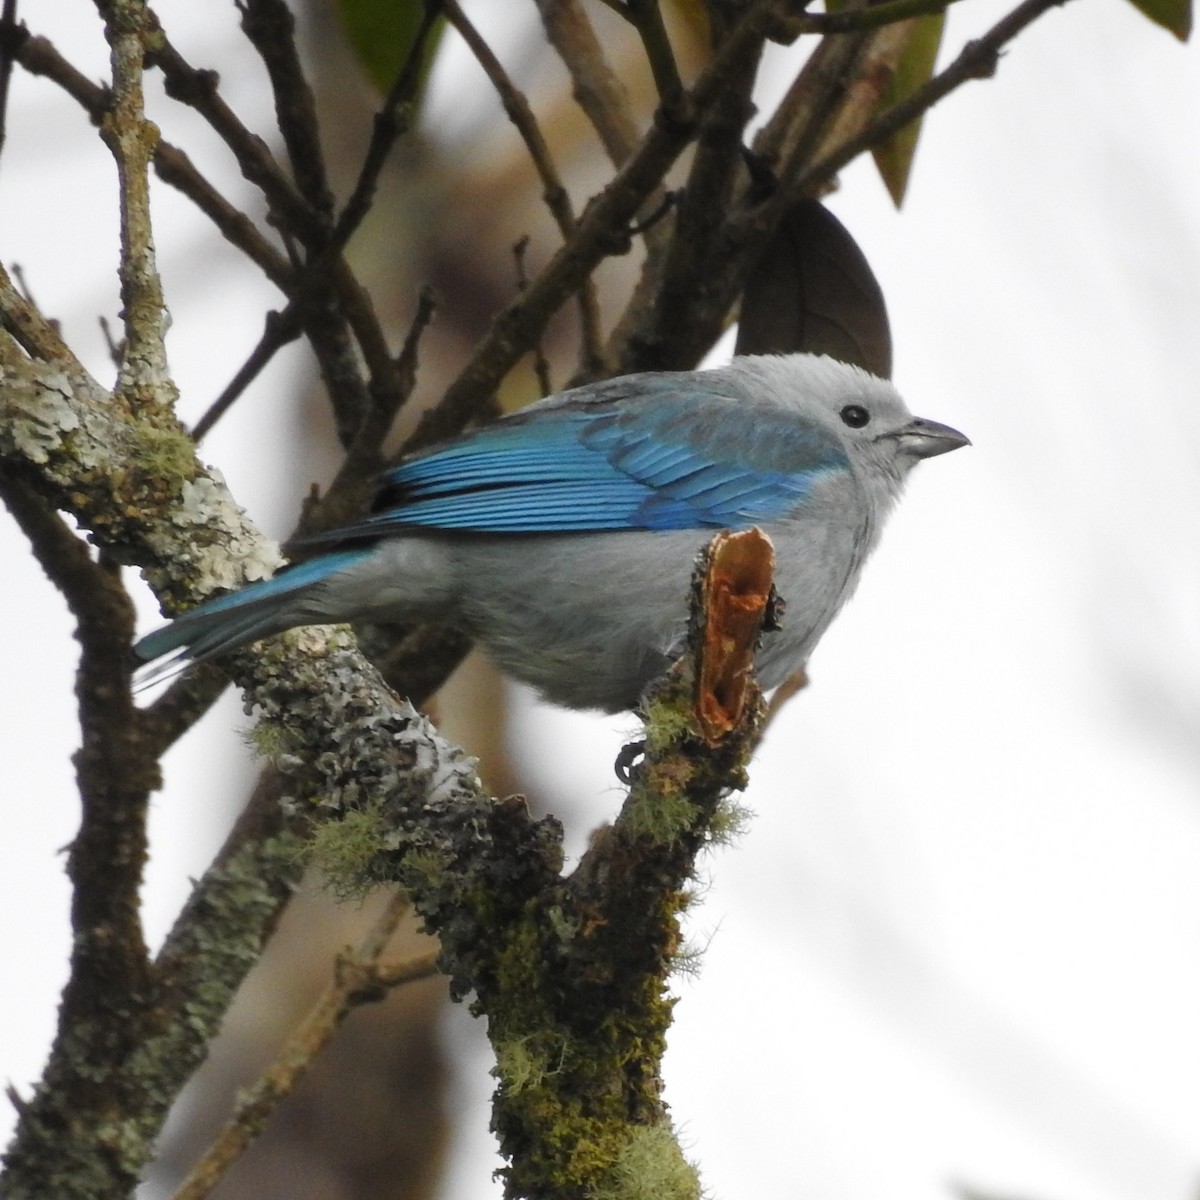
{"x": 977, "y": 60}
{"x": 860, "y": 20}
{"x": 598, "y": 233}
{"x": 597, "y": 89}
{"x": 144, "y": 378}
{"x": 360, "y": 977}
{"x": 646, "y": 16}
{"x": 9, "y": 35}
{"x": 271, "y": 29}
{"x": 553, "y": 192}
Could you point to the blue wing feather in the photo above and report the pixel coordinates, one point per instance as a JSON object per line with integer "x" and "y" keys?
{"x": 675, "y": 457}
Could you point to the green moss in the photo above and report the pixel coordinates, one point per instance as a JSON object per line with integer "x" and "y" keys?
{"x": 167, "y": 452}
{"x": 270, "y": 740}
{"x": 522, "y": 1063}
{"x": 668, "y": 719}
{"x": 347, "y": 850}
{"x": 651, "y": 1166}
{"x": 729, "y": 822}
{"x": 662, "y": 814}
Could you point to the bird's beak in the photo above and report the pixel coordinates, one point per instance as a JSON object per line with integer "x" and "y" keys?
{"x": 925, "y": 439}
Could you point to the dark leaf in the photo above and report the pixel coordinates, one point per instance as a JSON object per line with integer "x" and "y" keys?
{"x": 1175, "y": 15}
{"x": 813, "y": 291}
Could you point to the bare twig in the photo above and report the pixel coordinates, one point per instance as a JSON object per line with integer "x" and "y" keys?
{"x": 179, "y": 708}
{"x": 598, "y": 90}
{"x": 360, "y": 977}
{"x": 39, "y": 56}
{"x": 604, "y": 100}
{"x": 977, "y": 60}
{"x": 553, "y": 192}
{"x": 598, "y": 232}
{"x": 175, "y": 168}
{"x": 144, "y": 378}
{"x": 352, "y": 403}
{"x": 692, "y": 266}
{"x": 271, "y": 28}
{"x": 9, "y": 37}
{"x": 791, "y": 687}
{"x": 859, "y": 20}
{"x": 541, "y": 367}
{"x": 348, "y": 494}
{"x": 365, "y": 456}
{"x": 646, "y": 16}
{"x": 279, "y": 328}
{"x": 35, "y": 335}
{"x": 391, "y": 121}
{"x": 406, "y": 360}
{"x": 198, "y": 89}
{"x": 314, "y": 306}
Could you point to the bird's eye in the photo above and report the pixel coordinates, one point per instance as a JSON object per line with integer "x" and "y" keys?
{"x": 855, "y": 415}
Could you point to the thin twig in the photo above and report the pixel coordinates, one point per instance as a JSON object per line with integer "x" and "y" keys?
{"x": 406, "y": 360}
{"x": 792, "y": 686}
{"x": 799, "y": 123}
{"x": 597, "y": 88}
{"x": 198, "y": 89}
{"x": 271, "y": 29}
{"x": 174, "y": 167}
{"x": 978, "y": 59}
{"x": 360, "y": 977}
{"x": 317, "y": 309}
{"x": 597, "y": 233}
{"x": 541, "y": 367}
{"x": 646, "y": 16}
{"x": 40, "y": 57}
{"x": 279, "y": 328}
{"x": 286, "y": 325}
{"x": 554, "y": 193}
{"x": 9, "y": 35}
{"x": 604, "y": 100}
{"x": 859, "y": 20}
{"x": 178, "y": 709}
{"x": 37, "y": 336}
{"x": 346, "y": 496}
{"x": 391, "y": 121}
{"x": 666, "y": 338}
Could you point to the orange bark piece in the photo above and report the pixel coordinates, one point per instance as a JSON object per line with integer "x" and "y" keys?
{"x": 736, "y": 593}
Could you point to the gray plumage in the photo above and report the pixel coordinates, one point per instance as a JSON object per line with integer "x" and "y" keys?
{"x": 563, "y": 538}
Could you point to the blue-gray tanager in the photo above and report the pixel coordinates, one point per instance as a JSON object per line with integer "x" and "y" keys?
{"x": 562, "y": 538}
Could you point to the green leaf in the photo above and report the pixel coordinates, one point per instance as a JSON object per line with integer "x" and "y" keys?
{"x": 381, "y": 33}
{"x": 1175, "y": 15}
{"x": 894, "y": 157}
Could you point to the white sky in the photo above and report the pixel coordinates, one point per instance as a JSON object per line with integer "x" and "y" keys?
{"x": 959, "y": 942}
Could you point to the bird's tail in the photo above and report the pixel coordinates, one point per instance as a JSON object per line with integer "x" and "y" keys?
{"x": 256, "y": 611}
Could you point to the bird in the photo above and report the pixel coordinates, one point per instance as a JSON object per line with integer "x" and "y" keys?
{"x": 562, "y": 537}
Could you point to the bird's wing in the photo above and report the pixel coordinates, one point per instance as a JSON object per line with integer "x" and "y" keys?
{"x": 675, "y": 459}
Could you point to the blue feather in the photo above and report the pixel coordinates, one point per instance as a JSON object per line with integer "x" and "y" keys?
{"x": 674, "y": 459}
{"x": 240, "y": 616}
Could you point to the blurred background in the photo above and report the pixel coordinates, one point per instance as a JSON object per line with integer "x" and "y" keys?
{"x": 959, "y": 945}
